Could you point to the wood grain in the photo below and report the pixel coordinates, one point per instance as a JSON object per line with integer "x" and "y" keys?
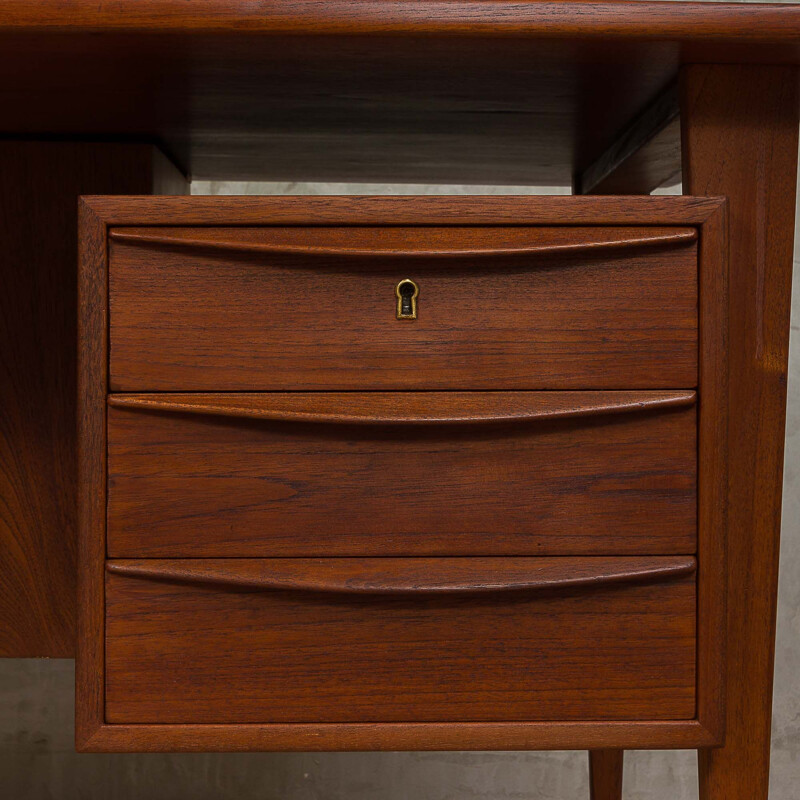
{"x": 701, "y": 729}
{"x": 299, "y": 657}
{"x": 599, "y": 19}
{"x": 406, "y": 408}
{"x": 183, "y": 485}
{"x": 605, "y": 774}
{"x": 431, "y": 210}
{"x": 713, "y": 459}
{"x": 740, "y": 139}
{"x": 390, "y": 242}
{"x": 201, "y": 321}
{"x": 393, "y": 736}
{"x": 424, "y": 577}
{"x": 38, "y": 338}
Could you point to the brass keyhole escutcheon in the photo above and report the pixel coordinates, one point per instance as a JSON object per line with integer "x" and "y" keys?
{"x": 407, "y": 293}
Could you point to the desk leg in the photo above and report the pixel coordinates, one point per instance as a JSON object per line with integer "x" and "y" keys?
{"x": 740, "y": 135}
{"x": 605, "y": 774}
{"x": 41, "y": 182}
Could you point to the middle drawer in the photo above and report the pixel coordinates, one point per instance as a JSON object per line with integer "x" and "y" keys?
{"x": 408, "y": 473}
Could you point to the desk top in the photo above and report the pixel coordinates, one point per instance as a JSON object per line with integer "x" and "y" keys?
{"x": 483, "y": 91}
{"x": 597, "y": 19}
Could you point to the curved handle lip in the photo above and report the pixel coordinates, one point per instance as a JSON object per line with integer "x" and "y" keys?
{"x": 415, "y": 408}
{"x": 418, "y": 577}
{"x": 647, "y": 238}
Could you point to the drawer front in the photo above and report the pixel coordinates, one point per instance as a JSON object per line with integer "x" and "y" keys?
{"x": 365, "y": 640}
{"x": 316, "y": 474}
{"x": 253, "y": 309}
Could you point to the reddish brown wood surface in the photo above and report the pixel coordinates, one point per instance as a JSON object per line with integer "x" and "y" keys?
{"x": 605, "y": 774}
{"x": 299, "y": 656}
{"x": 185, "y": 485}
{"x": 406, "y": 408}
{"x": 431, "y": 210}
{"x": 389, "y": 242}
{"x": 424, "y": 577}
{"x": 293, "y": 737}
{"x": 740, "y": 139}
{"x": 94, "y": 733}
{"x": 599, "y": 19}
{"x": 198, "y": 320}
{"x": 713, "y": 455}
{"x": 38, "y": 221}
{"x": 92, "y": 477}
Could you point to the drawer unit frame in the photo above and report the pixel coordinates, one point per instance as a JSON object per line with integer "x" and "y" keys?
{"x": 708, "y": 215}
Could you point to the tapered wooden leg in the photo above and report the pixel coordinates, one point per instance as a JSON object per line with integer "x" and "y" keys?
{"x": 605, "y": 774}
{"x": 740, "y": 127}
{"x": 39, "y": 189}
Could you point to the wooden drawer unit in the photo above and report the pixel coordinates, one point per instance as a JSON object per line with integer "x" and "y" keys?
{"x": 320, "y": 513}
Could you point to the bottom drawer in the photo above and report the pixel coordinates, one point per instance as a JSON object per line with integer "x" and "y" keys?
{"x": 422, "y": 639}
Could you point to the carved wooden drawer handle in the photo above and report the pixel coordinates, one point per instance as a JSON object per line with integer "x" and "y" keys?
{"x": 409, "y": 576}
{"x": 228, "y": 240}
{"x": 406, "y": 408}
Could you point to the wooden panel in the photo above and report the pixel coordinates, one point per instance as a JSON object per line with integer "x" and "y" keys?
{"x": 92, "y": 475}
{"x": 300, "y": 656}
{"x": 199, "y": 320}
{"x": 381, "y": 210}
{"x": 600, "y": 20}
{"x": 621, "y": 480}
{"x": 712, "y": 476}
{"x": 38, "y": 230}
{"x": 740, "y": 139}
{"x": 361, "y": 736}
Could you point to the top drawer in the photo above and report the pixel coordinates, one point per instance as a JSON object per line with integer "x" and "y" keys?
{"x": 315, "y": 308}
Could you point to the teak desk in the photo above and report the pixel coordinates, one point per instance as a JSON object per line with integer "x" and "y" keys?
{"x": 615, "y": 98}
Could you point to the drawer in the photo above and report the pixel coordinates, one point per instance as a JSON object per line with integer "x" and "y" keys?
{"x": 381, "y": 473}
{"x": 315, "y": 308}
{"x": 392, "y": 640}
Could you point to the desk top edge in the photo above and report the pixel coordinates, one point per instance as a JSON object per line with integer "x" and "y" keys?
{"x": 572, "y": 19}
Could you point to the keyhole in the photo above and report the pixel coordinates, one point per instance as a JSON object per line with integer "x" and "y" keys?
{"x": 407, "y": 292}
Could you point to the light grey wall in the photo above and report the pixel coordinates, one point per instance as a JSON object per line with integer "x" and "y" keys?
{"x": 38, "y": 762}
